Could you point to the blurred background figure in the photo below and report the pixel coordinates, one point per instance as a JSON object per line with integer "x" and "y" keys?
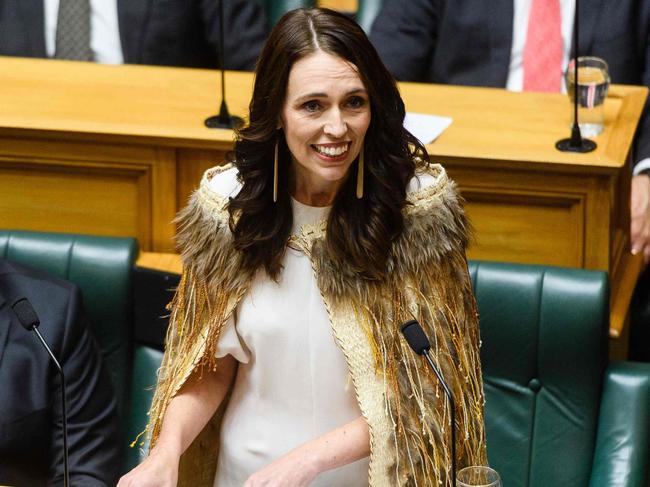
{"x": 31, "y": 439}
{"x": 526, "y": 45}
{"x": 173, "y": 33}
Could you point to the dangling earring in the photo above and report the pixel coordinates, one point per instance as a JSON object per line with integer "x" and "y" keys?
{"x": 360, "y": 173}
{"x": 275, "y": 173}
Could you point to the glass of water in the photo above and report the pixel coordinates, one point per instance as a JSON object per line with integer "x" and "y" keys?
{"x": 593, "y": 84}
{"x": 477, "y": 476}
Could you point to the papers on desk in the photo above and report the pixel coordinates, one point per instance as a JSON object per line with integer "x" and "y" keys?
{"x": 426, "y": 128}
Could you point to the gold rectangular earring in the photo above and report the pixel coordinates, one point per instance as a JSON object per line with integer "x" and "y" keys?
{"x": 360, "y": 173}
{"x": 275, "y": 174}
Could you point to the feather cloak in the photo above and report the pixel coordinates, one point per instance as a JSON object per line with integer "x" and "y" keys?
{"x": 401, "y": 400}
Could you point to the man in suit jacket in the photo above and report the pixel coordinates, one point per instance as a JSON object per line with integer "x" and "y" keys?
{"x": 31, "y": 441}
{"x": 469, "y": 42}
{"x": 173, "y": 33}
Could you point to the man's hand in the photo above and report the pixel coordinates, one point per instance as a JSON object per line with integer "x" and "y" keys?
{"x": 640, "y": 216}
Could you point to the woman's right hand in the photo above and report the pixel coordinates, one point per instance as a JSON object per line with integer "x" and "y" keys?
{"x": 159, "y": 469}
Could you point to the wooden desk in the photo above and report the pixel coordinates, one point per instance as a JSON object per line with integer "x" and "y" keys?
{"x": 116, "y": 150}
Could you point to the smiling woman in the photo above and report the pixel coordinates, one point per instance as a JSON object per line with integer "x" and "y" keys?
{"x": 325, "y": 117}
{"x": 302, "y": 258}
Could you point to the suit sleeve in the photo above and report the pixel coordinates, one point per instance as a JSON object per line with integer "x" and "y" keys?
{"x": 405, "y": 35}
{"x": 245, "y": 30}
{"x": 643, "y": 131}
{"x": 93, "y": 429}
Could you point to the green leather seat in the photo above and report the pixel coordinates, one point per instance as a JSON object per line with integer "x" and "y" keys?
{"x": 367, "y": 10}
{"x": 101, "y": 267}
{"x": 556, "y": 413}
{"x": 277, "y": 8}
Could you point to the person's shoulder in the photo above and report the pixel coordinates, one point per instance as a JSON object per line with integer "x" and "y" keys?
{"x": 217, "y": 186}
{"x": 18, "y": 281}
{"x": 222, "y": 181}
{"x": 12, "y": 271}
{"x": 428, "y": 181}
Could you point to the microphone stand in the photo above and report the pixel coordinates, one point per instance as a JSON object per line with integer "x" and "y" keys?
{"x": 452, "y": 410}
{"x": 419, "y": 343}
{"x": 575, "y": 143}
{"x": 223, "y": 120}
{"x": 64, "y": 414}
{"x": 27, "y": 317}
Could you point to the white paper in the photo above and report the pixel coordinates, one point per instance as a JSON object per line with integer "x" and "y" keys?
{"x": 426, "y": 128}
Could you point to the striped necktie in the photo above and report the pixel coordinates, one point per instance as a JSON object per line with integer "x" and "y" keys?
{"x": 73, "y": 31}
{"x": 543, "y": 50}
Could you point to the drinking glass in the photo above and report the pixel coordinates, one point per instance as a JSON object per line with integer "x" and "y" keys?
{"x": 477, "y": 476}
{"x": 593, "y": 84}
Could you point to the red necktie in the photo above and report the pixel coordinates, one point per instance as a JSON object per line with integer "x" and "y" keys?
{"x": 543, "y": 50}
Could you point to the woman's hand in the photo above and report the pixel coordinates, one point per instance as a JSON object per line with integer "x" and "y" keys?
{"x": 187, "y": 414}
{"x": 159, "y": 469}
{"x": 299, "y": 467}
{"x": 295, "y": 469}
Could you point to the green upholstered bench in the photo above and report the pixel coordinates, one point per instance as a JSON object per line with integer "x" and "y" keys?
{"x": 556, "y": 412}
{"x": 146, "y": 361}
{"x": 101, "y": 267}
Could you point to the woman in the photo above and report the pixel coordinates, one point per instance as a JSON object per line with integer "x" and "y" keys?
{"x": 301, "y": 262}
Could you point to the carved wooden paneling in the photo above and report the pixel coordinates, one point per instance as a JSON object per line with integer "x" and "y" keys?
{"x": 88, "y": 188}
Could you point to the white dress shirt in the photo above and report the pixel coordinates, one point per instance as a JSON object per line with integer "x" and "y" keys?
{"x": 104, "y": 30}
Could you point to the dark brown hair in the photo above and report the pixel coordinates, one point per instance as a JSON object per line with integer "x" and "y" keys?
{"x": 360, "y": 232}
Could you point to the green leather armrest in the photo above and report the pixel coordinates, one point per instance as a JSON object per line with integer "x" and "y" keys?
{"x": 146, "y": 361}
{"x": 623, "y": 442}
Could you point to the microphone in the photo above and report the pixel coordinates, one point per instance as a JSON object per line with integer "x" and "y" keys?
{"x": 28, "y": 318}
{"x": 419, "y": 343}
{"x": 575, "y": 143}
{"x": 224, "y": 120}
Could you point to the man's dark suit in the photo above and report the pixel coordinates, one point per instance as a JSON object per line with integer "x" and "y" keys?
{"x": 468, "y": 42}
{"x": 169, "y": 33}
{"x": 31, "y": 452}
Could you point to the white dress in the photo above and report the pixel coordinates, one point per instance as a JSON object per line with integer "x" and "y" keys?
{"x": 292, "y": 383}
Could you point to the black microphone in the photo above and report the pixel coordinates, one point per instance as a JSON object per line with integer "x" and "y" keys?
{"x": 224, "y": 120}
{"x": 575, "y": 143}
{"x": 29, "y": 319}
{"x": 419, "y": 343}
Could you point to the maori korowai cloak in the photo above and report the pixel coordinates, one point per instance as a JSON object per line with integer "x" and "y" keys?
{"x": 400, "y": 399}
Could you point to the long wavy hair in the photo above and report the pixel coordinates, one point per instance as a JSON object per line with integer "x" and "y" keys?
{"x": 360, "y": 232}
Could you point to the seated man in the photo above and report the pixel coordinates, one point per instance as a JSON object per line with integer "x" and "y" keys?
{"x": 31, "y": 434}
{"x": 502, "y": 43}
{"x": 181, "y": 33}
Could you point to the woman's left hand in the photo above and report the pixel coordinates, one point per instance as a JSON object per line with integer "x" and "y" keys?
{"x": 299, "y": 467}
{"x": 294, "y": 469}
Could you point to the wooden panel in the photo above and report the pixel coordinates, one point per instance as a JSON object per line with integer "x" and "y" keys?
{"x": 526, "y": 228}
{"x": 89, "y": 188}
{"x": 165, "y": 262}
{"x": 192, "y": 163}
{"x": 162, "y": 199}
{"x": 72, "y": 199}
{"x": 139, "y": 140}
{"x": 340, "y": 5}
